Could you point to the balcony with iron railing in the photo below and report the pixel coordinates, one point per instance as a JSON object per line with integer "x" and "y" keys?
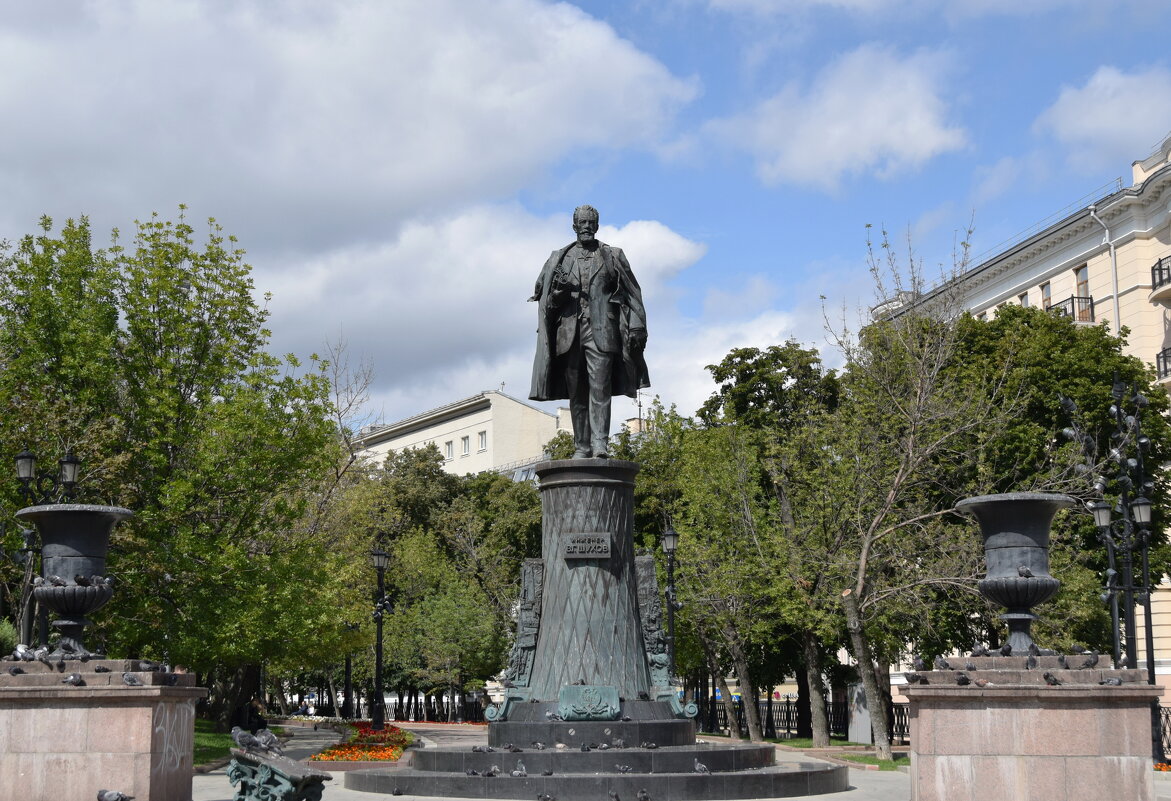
{"x": 1080, "y": 309}
{"x": 1161, "y": 281}
{"x": 1163, "y": 364}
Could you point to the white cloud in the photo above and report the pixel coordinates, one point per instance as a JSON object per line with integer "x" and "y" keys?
{"x": 439, "y": 311}
{"x": 1115, "y": 118}
{"x": 309, "y": 123}
{"x": 953, "y": 9}
{"x": 871, "y": 111}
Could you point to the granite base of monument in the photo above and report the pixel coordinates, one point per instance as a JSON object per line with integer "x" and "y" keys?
{"x": 59, "y": 741}
{"x": 1019, "y": 738}
{"x": 590, "y": 707}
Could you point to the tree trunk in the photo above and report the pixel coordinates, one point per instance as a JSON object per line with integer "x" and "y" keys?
{"x": 803, "y": 712}
{"x": 333, "y": 696}
{"x": 454, "y": 700}
{"x": 747, "y": 689}
{"x": 709, "y": 653}
{"x": 819, "y": 721}
{"x": 874, "y": 699}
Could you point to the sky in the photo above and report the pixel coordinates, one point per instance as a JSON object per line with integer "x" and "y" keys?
{"x": 399, "y": 170}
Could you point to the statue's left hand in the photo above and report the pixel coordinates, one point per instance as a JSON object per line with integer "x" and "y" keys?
{"x": 638, "y": 338}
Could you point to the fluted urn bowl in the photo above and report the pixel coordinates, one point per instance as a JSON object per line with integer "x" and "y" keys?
{"x": 74, "y": 541}
{"x": 1015, "y": 527}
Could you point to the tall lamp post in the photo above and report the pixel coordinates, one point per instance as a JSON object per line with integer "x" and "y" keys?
{"x": 1127, "y": 535}
{"x": 380, "y": 560}
{"x": 670, "y": 543}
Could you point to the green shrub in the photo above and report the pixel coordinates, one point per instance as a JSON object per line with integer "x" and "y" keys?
{"x": 8, "y": 637}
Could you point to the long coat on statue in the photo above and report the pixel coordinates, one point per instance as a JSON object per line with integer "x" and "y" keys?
{"x": 615, "y": 309}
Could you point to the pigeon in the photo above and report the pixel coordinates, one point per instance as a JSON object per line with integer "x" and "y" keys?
{"x": 970, "y": 665}
{"x": 472, "y": 772}
{"x": 74, "y": 680}
{"x": 1123, "y": 662}
{"x": 245, "y": 740}
{"x": 918, "y": 664}
{"x": 643, "y": 795}
{"x": 942, "y": 664}
{"x": 700, "y": 767}
{"x": 520, "y": 772}
{"x": 1061, "y": 662}
{"x": 1090, "y": 661}
{"x": 1006, "y": 650}
{"x": 1034, "y": 650}
{"x": 482, "y": 749}
{"x": 618, "y": 742}
{"x": 585, "y": 747}
{"x": 1031, "y": 663}
{"x": 537, "y": 744}
{"x": 614, "y": 796}
{"x": 130, "y": 680}
{"x": 170, "y": 679}
{"x": 492, "y": 771}
{"x": 604, "y": 747}
{"x": 39, "y": 581}
{"x": 1051, "y": 680}
{"x": 81, "y": 581}
{"x": 626, "y": 718}
{"x": 981, "y": 682}
{"x": 648, "y": 745}
{"x": 56, "y": 581}
{"x": 623, "y": 768}
{"x": 24, "y": 653}
{"x": 514, "y": 749}
{"x": 978, "y": 649}
{"x": 1077, "y": 649}
{"x": 146, "y": 664}
{"x": 42, "y": 655}
{"x": 508, "y": 684}
{"x": 113, "y": 795}
{"x": 15, "y": 670}
{"x": 551, "y": 715}
{"x": 396, "y": 791}
{"x": 1113, "y": 681}
{"x": 548, "y": 772}
{"x": 267, "y": 739}
{"x": 643, "y": 695}
{"x": 101, "y": 669}
{"x": 914, "y": 678}
{"x": 962, "y": 679}
{"x": 1024, "y": 572}
{"x": 545, "y": 797}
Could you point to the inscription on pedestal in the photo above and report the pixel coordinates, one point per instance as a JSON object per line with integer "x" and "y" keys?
{"x": 587, "y": 545}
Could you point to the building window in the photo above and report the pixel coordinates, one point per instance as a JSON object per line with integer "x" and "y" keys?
{"x": 466, "y": 445}
{"x": 483, "y": 440}
{"x": 1081, "y": 277}
{"x": 448, "y": 449}
{"x": 1046, "y": 295}
{"x": 1024, "y": 299}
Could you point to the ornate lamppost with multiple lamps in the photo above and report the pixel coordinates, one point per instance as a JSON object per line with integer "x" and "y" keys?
{"x": 380, "y": 559}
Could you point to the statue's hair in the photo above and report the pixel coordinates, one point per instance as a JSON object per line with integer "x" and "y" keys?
{"x": 585, "y": 211}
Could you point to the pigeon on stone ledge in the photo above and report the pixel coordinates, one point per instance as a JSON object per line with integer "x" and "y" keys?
{"x": 73, "y": 680}
{"x": 623, "y": 768}
{"x": 130, "y": 680}
{"x": 700, "y": 767}
{"x": 643, "y": 795}
{"x": 113, "y": 795}
{"x": 15, "y": 671}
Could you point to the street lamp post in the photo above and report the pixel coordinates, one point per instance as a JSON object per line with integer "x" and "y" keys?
{"x": 670, "y": 543}
{"x": 380, "y": 559}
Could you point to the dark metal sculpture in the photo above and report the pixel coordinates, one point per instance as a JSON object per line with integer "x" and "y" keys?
{"x": 591, "y": 333}
{"x": 262, "y": 778}
{"x": 1015, "y": 527}
{"x": 74, "y": 540}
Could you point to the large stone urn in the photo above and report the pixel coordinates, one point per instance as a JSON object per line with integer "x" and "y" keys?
{"x": 1015, "y": 527}
{"x": 74, "y": 540}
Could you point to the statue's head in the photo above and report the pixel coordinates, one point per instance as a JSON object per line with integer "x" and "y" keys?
{"x": 585, "y": 223}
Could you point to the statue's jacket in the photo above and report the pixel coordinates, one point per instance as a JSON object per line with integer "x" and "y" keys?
{"x": 615, "y": 309}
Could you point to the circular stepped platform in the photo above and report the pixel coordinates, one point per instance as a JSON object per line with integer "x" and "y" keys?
{"x": 737, "y": 771}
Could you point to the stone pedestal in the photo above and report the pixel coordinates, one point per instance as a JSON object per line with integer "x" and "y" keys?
{"x": 59, "y": 741}
{"x": 1019, "y": 742}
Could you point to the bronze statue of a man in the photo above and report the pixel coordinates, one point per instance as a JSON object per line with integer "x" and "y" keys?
{"x": 591, "y": 332}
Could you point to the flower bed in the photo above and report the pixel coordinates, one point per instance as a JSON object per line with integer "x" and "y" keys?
{"x": 363, "y": 744}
